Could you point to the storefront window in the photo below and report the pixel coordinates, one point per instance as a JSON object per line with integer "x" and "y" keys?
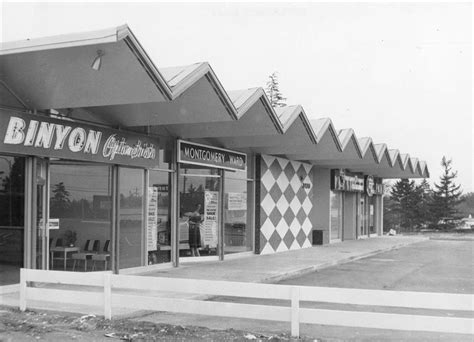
{"x": 199, "y": 205}
{"x": 363, "y": 217}
{"x": 12, "y": 198}
{"x": 130, "y": 217}
{"x": 80, "y": 216}
{"x": 159, "y": 218}
{"x": 237, "y": 225}
{"x": 336, "y": 214}
{"x": 372, "y": 215}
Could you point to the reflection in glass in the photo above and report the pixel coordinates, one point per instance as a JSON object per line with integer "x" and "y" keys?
{"x": 198, "y": 211}
{"x": 336, "y": 214}
{"x": 80, "y": 201}
{"x": 131, "y": 217}
{"x": 159, "y": 218}
{"x": 237, "y": 232}
{"x": 12, "y": 192}
{"x": 363, "y": 216}
{"x": 372, "y": 215}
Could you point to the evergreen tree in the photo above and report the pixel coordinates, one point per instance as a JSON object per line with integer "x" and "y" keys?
{"x": 405, "y": 198}
{"x": 273, "y": 91}
{"x": 60, "y": 202}
{"x": 446, "y": 197}
{"x": 466, "y": 208}
{"x": 423, "y": 197}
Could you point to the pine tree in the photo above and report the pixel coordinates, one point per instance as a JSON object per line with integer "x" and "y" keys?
{"x": 273, "y": 91}
{"x": 446, "y": 197}
{"x": 60, "y": 202}
{"x": 423, "y": 199}
{"x": 405, "y": 198}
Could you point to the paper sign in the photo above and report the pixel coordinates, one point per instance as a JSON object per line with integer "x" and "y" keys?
{"x": 236, "y": 201}
{"x": 152, "y": 219}
{"x": 209, "y": 225}
{"x": 53, "y": 223}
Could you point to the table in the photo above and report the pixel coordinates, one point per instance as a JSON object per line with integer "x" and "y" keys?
{"x": 65, "y": 251}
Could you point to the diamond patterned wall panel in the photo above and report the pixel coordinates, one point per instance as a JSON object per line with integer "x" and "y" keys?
{"x": 286, "y": 201}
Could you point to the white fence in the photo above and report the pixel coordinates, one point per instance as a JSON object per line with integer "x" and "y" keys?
{"x": 131, "y": 292}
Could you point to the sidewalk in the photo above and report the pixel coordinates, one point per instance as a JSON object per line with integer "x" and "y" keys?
{"x": 272, "y": 268}
{"x": 254, "y": 268}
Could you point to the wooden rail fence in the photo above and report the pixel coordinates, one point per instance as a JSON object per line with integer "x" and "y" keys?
{"x": 126, "y": 291}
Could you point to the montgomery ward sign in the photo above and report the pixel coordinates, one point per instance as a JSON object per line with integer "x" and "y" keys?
{"x": 192, "y": 153}
{"x": 43, "y": 136}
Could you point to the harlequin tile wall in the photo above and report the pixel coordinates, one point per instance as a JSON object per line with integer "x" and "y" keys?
{"x": 286, "y": 193}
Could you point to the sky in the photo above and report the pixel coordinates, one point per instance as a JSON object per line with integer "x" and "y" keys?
{"x": 399, "y": 73}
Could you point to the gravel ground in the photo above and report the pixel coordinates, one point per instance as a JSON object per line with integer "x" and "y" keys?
{"x": 50, "y": 326}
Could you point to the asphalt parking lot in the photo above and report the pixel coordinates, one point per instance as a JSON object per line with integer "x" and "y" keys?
{"x": 430, "y": 266}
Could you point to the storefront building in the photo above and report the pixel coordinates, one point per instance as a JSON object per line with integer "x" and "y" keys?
{"x": 162, "y": 167}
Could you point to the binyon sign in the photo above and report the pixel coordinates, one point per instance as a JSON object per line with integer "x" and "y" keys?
{"x": 197, "y": 154}
{"x": 43, "y": 136}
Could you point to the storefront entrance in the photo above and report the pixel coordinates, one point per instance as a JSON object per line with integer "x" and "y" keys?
{"x": 213, "y": 219}
{"x": 362, "y": 217}
{"x": 199, "y": 212}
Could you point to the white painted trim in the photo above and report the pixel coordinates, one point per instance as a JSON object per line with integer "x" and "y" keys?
{"x": 199, "y": 307}
{"x": 9, "y": 288}
{"x": 238, "y": 255}
{"x": 66, "y": 296}
{"x": 380, "y": 320}
{"x": 190, "y": 260}
{"x": 144, "y": 269}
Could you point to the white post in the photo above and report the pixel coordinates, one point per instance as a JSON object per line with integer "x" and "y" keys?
{"x": 107, "y": 296}
{"x": 23, "y": 289}
{"x": 295, "y": 311}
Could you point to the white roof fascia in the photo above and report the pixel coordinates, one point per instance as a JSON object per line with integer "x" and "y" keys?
{"x": 345, "y": 136}
{"x": 414, "y": 163}
{"x": 125, "y": 33}
{"x": 394, "y": 153}
{"x": 321, "y": 126}
{"x": 253, "y": 95}
{"x": 364, "y": 144}
{"x": 380, "y": 149}
{"x": 109, "y": 35}
{"x": 404, "y": 157}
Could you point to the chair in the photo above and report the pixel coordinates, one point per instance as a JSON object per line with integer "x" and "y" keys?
{"x": 53, "y": 243}
{"x": 90, "y": 248}
{"x": 104, "y": 256}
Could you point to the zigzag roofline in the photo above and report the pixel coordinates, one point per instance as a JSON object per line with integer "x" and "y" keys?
{"x": 180, "y": 79}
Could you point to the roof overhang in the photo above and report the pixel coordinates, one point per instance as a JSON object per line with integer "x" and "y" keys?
{"x": 56, "y": 72}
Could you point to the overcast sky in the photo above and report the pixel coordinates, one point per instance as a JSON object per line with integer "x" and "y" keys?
{"x": 399, "y": 73}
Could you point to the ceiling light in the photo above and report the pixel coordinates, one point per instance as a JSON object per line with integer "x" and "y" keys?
{"x": 96, "y": 64}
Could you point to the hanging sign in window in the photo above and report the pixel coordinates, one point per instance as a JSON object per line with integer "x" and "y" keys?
{"x": 197, "y": 154}
{"x": 236, "y": 201}
{"x": 152, "y": 219}
{"x": 211, "y": 215}
{"x": 44, "y": 136}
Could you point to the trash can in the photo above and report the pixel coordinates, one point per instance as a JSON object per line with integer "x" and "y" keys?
{"x": 317, "y": 237}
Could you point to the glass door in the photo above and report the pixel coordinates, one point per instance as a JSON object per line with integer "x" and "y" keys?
{"x": 363, "y": 216}
{"x": 199, "y": 213}
{"x": 42, "y": 234}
